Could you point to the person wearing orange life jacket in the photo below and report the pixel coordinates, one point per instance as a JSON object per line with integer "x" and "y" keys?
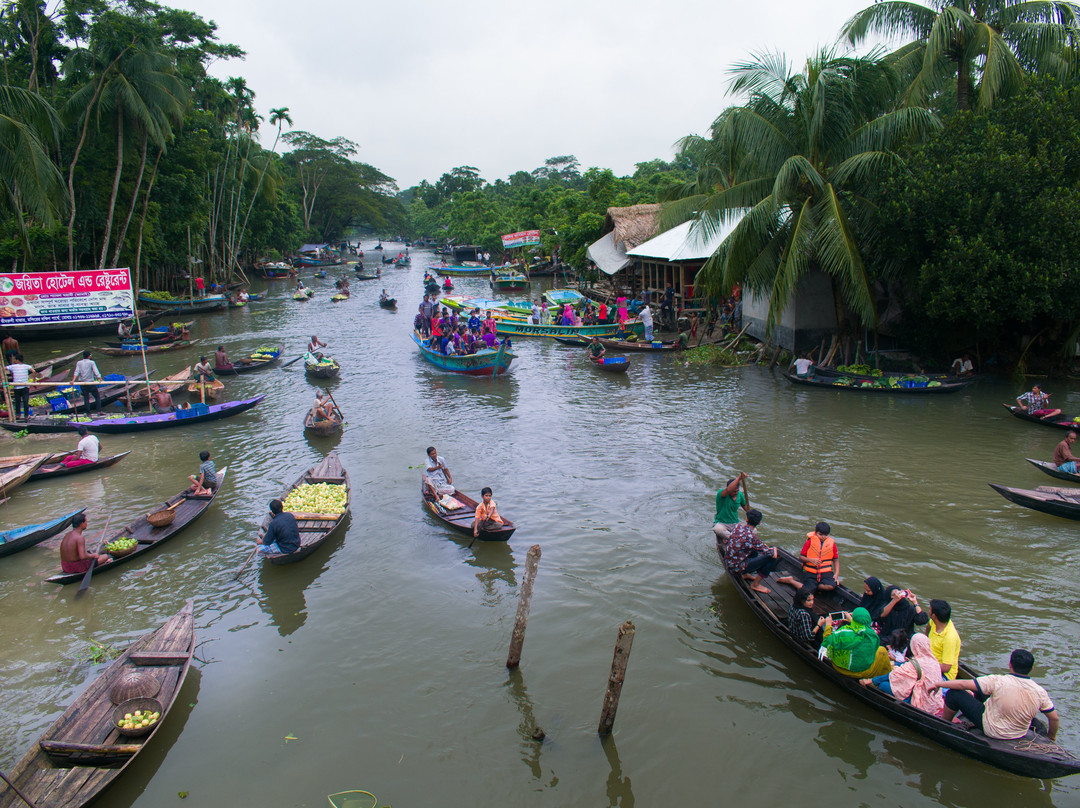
{"x": 820, "y": 558}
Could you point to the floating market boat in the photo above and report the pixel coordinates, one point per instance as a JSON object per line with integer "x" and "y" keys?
{"x": 518, "y": 328}
{"x": 209, "y": 390}
{"x": 509, "y": 281}
{"x": 166, "y": 302}
{"x": 340, "y": 297}
{"x": 21, "y": 538}
{"x": 1063, "y": 502}
{"x": 656, "y": 346}
{"x": 457, "y": 512}
{"x": 264, "y": 357}
{"x": 196, "y": 414}
{"x": 83, "y": 751}
{"x": 325, "y": 368}
{"x": 79, "y": 329}
{"x": 1059, "y": 421}
{"x": 487, "y": 362}
{"x": 1033, "y": 756}
{"x": 322, "y": 427}
{"x": 315, "y": 528}
{"x": 388, "y": 302}
{"x": 186, "y": 508}
{"x": 54, "y": 466}
{"x": 896, "y": 385}
{"x": 465, "y": 270}
{"x": 164, "y": 329}
{"x": 611, "y": 364}
{"x": 135, "y": 350}
{"x": 1054, "y": 471}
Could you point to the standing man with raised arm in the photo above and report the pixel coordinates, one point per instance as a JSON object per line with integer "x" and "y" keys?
{"x": 728, "y": 501}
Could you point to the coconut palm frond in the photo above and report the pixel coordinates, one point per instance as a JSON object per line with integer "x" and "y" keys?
{"x": 838, "y": 254}
{"x": 889, "y": 20}
{"x": 1001, "y": 73}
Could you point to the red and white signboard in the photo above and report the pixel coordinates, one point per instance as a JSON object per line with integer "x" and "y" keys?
{"x": 523, "y": 239}
{"x": 61, "y": 297}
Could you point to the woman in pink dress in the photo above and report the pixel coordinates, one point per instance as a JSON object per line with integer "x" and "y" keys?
{"x": 624, "y": 315}
{"x": 568, "y": 315}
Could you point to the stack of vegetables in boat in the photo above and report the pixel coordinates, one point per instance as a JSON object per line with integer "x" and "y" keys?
{"x": 320, "y": 501}
{"x": 320, "y": 368}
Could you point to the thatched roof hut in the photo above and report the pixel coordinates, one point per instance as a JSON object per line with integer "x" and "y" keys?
{"x": 632, "y": 226}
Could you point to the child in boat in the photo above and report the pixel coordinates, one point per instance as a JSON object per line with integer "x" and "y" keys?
{"x": 487, "y": 514}
{"x": 204, "y": 483}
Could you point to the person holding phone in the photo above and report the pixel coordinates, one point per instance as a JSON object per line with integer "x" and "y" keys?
{"x": 854, "y": 649}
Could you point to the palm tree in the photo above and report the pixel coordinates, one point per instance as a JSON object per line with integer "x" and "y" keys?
{"x": 278, "y": 116}
{"x": 985, "y": 45}
{"x": 792, "y": 170}
{"x": 29, "y": 180}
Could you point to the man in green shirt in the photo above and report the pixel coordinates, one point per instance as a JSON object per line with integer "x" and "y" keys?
{"x": 596, "y": 350}
{"x": 728, "y": 501}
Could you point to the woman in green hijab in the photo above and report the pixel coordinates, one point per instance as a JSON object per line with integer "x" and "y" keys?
{"x": 854, "y": 649}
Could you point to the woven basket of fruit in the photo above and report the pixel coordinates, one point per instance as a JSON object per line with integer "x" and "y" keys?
{"x": 121, "y": 547}
{"x": 137, "y": 717}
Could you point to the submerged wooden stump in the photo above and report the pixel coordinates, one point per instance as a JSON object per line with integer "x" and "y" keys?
{"x": 517, "y": 639}
{"x": 623, "y": 644}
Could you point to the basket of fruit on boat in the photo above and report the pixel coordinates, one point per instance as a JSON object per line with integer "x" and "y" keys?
{"x": 121, "y": 547}
{"x": 137, "y": 717}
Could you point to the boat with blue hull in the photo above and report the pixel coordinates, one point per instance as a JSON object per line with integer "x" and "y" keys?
{"x": 519, "y": 328}
{"x": 196, "y": 414}
{"x": 487, "y": 362}
{"x": 12, "y": 541}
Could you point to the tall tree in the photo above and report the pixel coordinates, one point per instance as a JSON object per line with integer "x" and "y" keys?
{"x": 983, "y": 46}
{"x": 793, "y": 169}
{"x": 313, "y": 158}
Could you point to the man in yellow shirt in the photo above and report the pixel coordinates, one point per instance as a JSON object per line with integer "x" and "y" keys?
{"x": 944, "y": 639}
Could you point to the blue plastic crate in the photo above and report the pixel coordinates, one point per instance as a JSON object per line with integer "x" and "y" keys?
{"x": 58, "y": 403}
{"x": 116, "y": 377}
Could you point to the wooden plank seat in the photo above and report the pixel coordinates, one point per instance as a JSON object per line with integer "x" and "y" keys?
{"x": 158, "y": 658}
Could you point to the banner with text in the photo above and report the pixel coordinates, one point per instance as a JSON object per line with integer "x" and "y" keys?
{"x": 523, "y": 239}
{"x": 59, "y": 297}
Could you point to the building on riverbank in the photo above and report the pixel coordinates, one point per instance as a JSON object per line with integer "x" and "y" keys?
{"x": 674, "y": 258}
{"x": 624, "y": 229}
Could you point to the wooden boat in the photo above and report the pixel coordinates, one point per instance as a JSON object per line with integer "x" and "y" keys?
{"x": 339, "y": 297}
{"x": 149, "y": 338}
{"x": 16, "y": 471}
{"x": 1030, "y": 757}
{"x": 148, "y": 537}
{"x": 164, "y": 329}
{"x": 54, "y": 467}
{"x": 180, "y": 303}
{"x": 362, "y": 276}
{"x": 469, "y": 270}
{"x": 509, "y": 282}
{"x": 82, "y": 752}
{"x": 301, "y": 297}
{"x": 388, "y": 302}
{"x": 141, "y": 395}
{"x": 1064, "y": 502}
{"x": 327, "y": 369}
{"x": 520, "y": 328}
{"x": 656, "y": 346}
{"x": 461, "y": 519}
{"x": 487, "y": 362}
{"x": 835, "y": 373}
{"x": 48, "y": 367}
{"x": 136, "y": 423}
{"x": 1053, "y": 471}
{"x": 45, "y": 383}
{"x": 1062, "y": 421}
{"x": 261, "y": 359}
{"x": 77, "y": 329}
{"x": 168, "y": 346}
{"x": 323, "y": 428}
{"x": 576, "y": 341}
{"x": 21, "y": 538}
{"x": 560, "y": 297}
{"x": 611, "y": 364}
{"x": 882, "y": 387}
{"x": 212, "y": 390}
{"x": 315, "y": 528}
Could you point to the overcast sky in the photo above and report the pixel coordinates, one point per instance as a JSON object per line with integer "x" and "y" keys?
{"x": 424, "y": 86}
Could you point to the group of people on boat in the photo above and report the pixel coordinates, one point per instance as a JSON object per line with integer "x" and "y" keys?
{"x": 452, "y": 335}
{"x": 877, "y": 641}
{"x": 437, "y": 483}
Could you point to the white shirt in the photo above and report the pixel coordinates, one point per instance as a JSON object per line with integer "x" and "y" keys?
{"x": 646, "y": 317}
{"x": 89, "y": 447}
{"x": 802, "y": 366}
{"x": 86, "y": 370}
{"x": 20, "y": 374}
{"x": 961, "y": 366}
{"x": 436, "y": 474}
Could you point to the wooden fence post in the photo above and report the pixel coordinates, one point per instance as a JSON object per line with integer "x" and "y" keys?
{"x": 517, "y": 639}
{"x": 618, "y": 674}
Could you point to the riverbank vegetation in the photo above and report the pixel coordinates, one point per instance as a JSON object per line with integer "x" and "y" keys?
{"x": 117, "y": 148}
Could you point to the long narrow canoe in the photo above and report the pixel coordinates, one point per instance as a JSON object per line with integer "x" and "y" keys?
{"x": 1058, "y": 421}
{"x": 16, "y": 473}
{"x": 656, "y": 346}
{"x": 108, "y": 392}
{"x": 49, "y": 366}
{"x": 179, "y": 303}
{"x": 1053, "y": 471}
{"x": 926, "y": 388}
{"x": 261, "y": 359}
{"x": 82, "y": 752}
{"x": 148, "y": 536}
{"x": 1035, "y": 756}
{"x": 487, "y": 362}
{"x": 135, "y": 351}
{"x": 315, "y": 528}
{"x": 140, "y": 395}
{"x": 134, "y": 423}
{"x": 461, "y": 519}
{"x": 54, "y": 466}
{"x": 460, "y": 270}
{"x": 12, "y": 541}
{"x": 518, "y": 328}
{"x": 1064, "y": 502}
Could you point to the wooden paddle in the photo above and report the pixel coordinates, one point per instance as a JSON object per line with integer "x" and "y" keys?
{"x": 291, "y": 361}
{"x": 335, "y": 403}
{"x": 90, "y": 572}
{"x": 21, "y": 796}
{"x": 236, "y": 575}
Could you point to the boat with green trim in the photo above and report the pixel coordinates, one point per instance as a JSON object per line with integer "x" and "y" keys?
{"x": 508, "y": 282}
{"x": 517, "y": 328}
{"x": 487, "y": 362}
{"x": 460, "y": 270}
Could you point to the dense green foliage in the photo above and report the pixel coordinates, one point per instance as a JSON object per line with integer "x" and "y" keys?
{"x": 982, "y": 234}
{"x": 117, "y": 148}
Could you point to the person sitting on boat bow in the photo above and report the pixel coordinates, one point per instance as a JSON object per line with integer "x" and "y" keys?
{"x": 487, "y": 514}
{"x": 436, "y": 478}
{"x": 749, "y": 556}
{"x": 728, "y": 501}
{"x": 1037, "y": 403}
{"x": 916, "y": 681}
{"x": 596, "y": 350}
{"x": 1002, "y": 707}
{"x": 313, "y": 347}
{"x": 221, "y": 359}
{"x": 282, "y": 534}
{"x": 73, "y": 556}
{"x": 1063, "y": 456}
{"x": 161, "y": 401}
{"x": 204, "y": 483}
{"x": 854, "y": 649}
{"x": 820, "y": 559}
{"x": 86, "y": 452}
{"x": 203, "y": 372}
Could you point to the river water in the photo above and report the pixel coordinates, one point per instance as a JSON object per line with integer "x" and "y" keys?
{"x": 378, "y": 663}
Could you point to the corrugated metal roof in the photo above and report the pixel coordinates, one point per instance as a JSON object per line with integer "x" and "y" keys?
{"x": 679, "y": 244}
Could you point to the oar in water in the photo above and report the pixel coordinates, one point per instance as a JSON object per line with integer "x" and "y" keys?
{"x": 291, "y": 361}
{"x": 239, "y": 572}
{"x": 90, "y": 572}
{"x": 335, "y": 404}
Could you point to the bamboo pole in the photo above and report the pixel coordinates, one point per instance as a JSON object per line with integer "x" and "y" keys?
{"x": 623, "y": 644}
{"x": 517, "y": 639}
{"x": 142, "y": 345}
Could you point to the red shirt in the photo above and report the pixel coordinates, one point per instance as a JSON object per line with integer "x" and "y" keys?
{"x": 199, "y": 284}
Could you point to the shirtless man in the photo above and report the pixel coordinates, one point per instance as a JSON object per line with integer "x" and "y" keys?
{"x": 73, "y": 555}
{"x": 162, "y": 401}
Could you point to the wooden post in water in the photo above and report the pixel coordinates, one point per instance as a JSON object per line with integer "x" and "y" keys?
{"x": 618, "y": 675}
{"x": 517, "y": 639}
